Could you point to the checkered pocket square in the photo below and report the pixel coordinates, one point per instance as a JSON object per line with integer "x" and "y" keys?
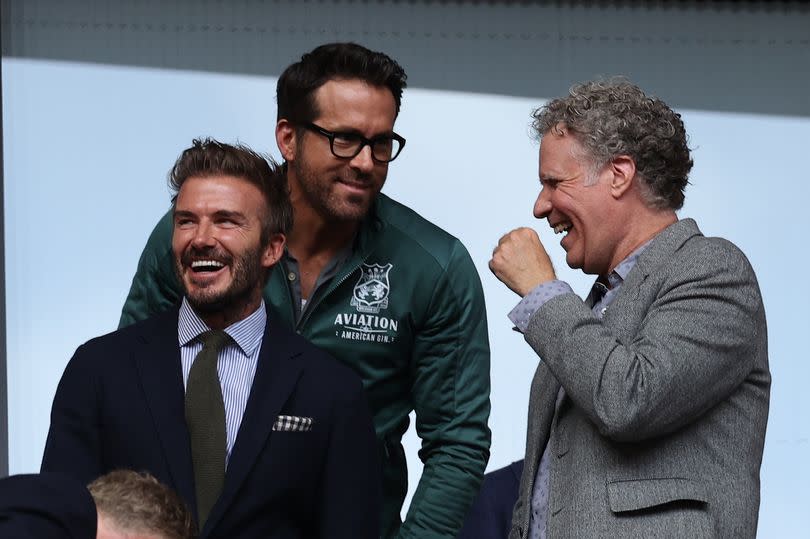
{"x": 292, "y": 423}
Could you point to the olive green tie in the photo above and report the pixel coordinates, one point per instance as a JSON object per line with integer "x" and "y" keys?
{"x": 205, "y": 417}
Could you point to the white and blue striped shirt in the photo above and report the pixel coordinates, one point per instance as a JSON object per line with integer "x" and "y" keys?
{"x": 236, "y": 364}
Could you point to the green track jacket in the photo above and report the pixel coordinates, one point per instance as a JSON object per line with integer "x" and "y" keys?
{"x": 406, "y": 312}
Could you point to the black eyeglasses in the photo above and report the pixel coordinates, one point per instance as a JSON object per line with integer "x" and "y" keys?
{"x": 384, "y": 148}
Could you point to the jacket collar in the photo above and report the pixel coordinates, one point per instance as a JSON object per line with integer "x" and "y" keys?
{"x": 651, "y": 261}
{"x": 664, "y": 246}
{"x": 371, "y": 226}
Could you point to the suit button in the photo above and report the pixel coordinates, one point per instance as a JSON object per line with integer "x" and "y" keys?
{"x": 291, "y": 276}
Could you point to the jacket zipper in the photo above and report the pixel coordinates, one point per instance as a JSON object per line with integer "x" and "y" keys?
{"x": 308, "y": 311}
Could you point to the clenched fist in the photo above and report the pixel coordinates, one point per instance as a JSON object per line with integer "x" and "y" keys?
{"x": 520, "y": 261}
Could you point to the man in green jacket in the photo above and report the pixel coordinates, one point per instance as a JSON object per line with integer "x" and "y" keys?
{"x": 379, "y": 287}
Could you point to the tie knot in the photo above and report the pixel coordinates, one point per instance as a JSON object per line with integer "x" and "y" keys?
{"x": 598, "y": 291}
{"x": 214, "y": 339}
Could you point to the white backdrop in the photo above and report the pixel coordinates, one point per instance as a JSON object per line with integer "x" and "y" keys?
{"x": 87, "y": 148}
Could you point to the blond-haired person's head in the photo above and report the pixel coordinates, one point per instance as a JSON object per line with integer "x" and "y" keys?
{"x": 132, "y": 505}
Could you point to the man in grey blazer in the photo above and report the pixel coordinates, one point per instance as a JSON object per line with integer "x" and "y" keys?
{"x": 648, "y": 408}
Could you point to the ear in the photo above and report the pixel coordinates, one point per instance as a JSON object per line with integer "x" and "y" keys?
{"x": 273, "y": 250}
{"x": 623, "y": 173}
{"x": 286, "y": 139}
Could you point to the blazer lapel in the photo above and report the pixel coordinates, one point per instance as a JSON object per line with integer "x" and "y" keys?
{"x": 158, "y": 363}
{"x": 277, "y": 373}
{"x": 542, "y": 400}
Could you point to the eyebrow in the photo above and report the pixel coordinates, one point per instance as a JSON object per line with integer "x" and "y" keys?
{"x": 228, "y": 214}
{"x": 353, "y": 131}
{"x": 181, "y": 213}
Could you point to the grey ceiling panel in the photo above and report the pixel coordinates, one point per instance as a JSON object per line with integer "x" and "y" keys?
{"x": 734, "y": 56}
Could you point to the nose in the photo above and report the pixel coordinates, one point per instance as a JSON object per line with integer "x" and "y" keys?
{"x": 542, "y": 206}
{"x": 363, "y": 161}
{"x": 203, "y": 235}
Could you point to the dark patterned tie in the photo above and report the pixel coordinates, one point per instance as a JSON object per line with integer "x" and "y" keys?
{"x": 598, "y": 291}
{"x": 205, "y": 417}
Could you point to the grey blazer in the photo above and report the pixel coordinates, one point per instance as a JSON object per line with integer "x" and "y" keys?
{"x": 661, "y": 431}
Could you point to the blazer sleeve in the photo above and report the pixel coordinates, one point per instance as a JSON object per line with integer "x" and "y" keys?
{"x": 155, "y": 287}
{"x": 73, "y": 446}
{"x": 697, "y": 342}
{"x": 350, "y": 500}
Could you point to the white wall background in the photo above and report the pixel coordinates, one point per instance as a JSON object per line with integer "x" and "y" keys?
{"x": 87, "y": 148}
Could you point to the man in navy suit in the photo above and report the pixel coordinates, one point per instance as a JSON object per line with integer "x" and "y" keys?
{"x": 260, "y": 432}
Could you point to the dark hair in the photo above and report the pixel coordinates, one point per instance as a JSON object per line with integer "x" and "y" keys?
{"x": 298, "y": 83}
{"x": 208, "y": 157}
{"x": 614, "y": 117}
{"x": 139, "y": 503}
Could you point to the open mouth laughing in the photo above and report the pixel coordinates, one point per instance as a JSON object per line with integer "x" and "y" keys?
{"x": 562, "y": 228}
{"x": 206, "y": 266}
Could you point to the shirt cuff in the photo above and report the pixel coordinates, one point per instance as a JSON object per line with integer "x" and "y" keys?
{"x": 535, "y": 299}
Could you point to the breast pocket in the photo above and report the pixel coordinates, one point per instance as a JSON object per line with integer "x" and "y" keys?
{"x": 666, "y": 507}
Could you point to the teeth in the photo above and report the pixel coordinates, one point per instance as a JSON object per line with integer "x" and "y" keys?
{"x": 561, "y": 227}
{"x": 206, "y": 263}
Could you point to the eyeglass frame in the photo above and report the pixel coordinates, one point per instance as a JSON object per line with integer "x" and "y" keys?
{"x": 370, "y": 142}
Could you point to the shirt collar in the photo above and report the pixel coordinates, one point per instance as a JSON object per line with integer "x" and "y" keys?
{"x": 619, "y": 274}
{"x": 247, "y": 333}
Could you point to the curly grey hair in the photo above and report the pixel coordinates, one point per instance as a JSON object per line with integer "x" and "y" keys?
{"x": 614, "y": 117}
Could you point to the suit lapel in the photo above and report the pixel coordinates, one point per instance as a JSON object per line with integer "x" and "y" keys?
{"x": 277, "y": 373}
{"x": 542, "y": 401}
{"x": 158, "y": 363}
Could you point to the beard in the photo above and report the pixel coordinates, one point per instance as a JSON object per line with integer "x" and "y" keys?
{"x": 318, "y": 190}
{"x": 247, "y": 275}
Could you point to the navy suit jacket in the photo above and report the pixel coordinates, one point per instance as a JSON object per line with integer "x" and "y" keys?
{"x": 120, "y": 404}
{"x": 490, "y": 516}
{"x": 46, "y": 506}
